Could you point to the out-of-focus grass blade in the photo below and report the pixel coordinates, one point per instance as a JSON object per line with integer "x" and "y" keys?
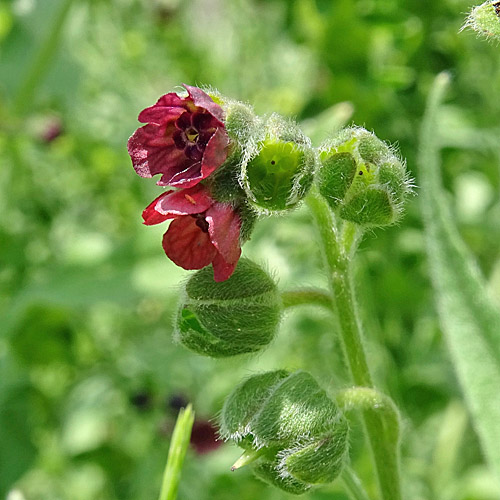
{"x": 176, "y": 454}
{"x": 469, "y": 318}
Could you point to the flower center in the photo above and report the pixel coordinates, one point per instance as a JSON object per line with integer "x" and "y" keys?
{"x": 193, "y": 131}
{"x": 192, "y": 135}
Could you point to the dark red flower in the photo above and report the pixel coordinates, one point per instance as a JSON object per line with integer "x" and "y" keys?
{"x": 203, "y": 231}
{"x": 204, "y": 437}
{"x": 184, "y": 139}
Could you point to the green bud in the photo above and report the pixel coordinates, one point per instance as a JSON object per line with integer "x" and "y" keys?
{"x": 236, "y": 316}
{"x": 362, "y": 178}
{"x": 485, "y": 19}
{"x": 279, "y": 174}
{"x": 298, "y": 436}
{"x": 244, "y": 128}
{"x": 241, "y": 122}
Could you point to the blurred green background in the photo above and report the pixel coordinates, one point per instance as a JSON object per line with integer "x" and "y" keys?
{"x": 89, "y": 376}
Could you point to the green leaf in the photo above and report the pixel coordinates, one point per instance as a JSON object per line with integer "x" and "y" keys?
{"x": 469, "y": 318}
{"x": 176, "y": 454}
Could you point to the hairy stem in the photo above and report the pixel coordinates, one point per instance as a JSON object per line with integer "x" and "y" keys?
{"x": 306, "y": 296}
{"x": 337, "y": 264}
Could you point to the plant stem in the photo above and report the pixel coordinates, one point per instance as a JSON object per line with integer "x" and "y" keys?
{"x": 337, "y": 265}
{"x": 42, "y": 60}
{"x": 176, "y": 454}
{"x": 368, "y": 399}
{"x": 306, "y": 296}
{"x": 353, "y": 485}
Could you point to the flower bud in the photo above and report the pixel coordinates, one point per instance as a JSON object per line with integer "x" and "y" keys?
{"x": 236, "y": 316}
{"x": 485, "y": 19}
{"x": 278, "y": 175}
{"x": 362, "y": 178}
{"x": 286, "y": 422}
{"x": 242, "y": 124}
{"x": 244, "y": 128}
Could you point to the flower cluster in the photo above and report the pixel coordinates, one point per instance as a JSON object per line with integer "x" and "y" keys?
{"x": 185, "y": 141}
{"x": 224, "y": 166}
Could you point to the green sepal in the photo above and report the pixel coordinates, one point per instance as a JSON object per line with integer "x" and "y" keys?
{"x": 281, "y": 421}
{"x": 372, "y": 149}
{"x": 394, "y": 177}
{"x": 236, "y": 316}
{"x": 242, "y": 124}
{"x": 245, "y": 401}
{"x": 248, "y": 218}
{"x": 336, "y": 176}
{"x": 322, "y": 460}
{"x": 269, "y": 473}
{"x": 372, "y": 207}
{"x": 224, "y": 183}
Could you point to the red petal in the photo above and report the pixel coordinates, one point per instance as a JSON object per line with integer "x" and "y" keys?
{"x": 168, "y": 107}
{"x": 152, "y": 154}
{"x": 184, "y": 202}
{"x": 215, "y": 153}
{"x": 203, "y": 100}
{"x": 151, "y": 215}
{"x": 224, "y": 229}
{"x": 186, "y": 178}
{"x": 222, "y": 269}
{"x": 187, "y": 245}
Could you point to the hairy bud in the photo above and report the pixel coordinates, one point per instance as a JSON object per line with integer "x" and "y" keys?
{"x": 244, "y": 129}
{"x": 362, "y": 178}
{"x": 485, "y": 19}
{"x": 236, "y": 316}
{"x": 278, "y": 174}
{"x": 295, "y": 435}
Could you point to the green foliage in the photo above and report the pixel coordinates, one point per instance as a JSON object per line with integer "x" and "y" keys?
{"x": 236, "y": 316}
{"x": 86, "y": 284}
{"x": 471, "y": 321}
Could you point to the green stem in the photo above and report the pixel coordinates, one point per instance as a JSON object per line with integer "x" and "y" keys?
{"x": 176, "y": 454}
{"x": 42, "y": 60}
{"x": 337, "y": 265}
{"x": 353, "y": 485}
{"x": 306, "y": 296}
{"x": 351, "y": 236}
{"x": 370, "y": 400}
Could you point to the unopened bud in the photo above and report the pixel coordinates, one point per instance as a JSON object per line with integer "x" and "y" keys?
{"x": 244, "y": 129}
{"x": 362, "y": 178}
{"x": 296, "y": 436}
{"x": 236, "y": 316}
{"x": 279, "y": 174}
